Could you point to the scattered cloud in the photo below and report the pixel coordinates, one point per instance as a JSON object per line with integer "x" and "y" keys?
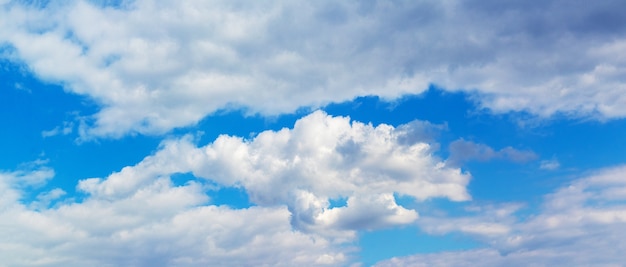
{"x": 580, "y": 224}
{"x": 462, "y": 151}
{"x": 543, "y": 58}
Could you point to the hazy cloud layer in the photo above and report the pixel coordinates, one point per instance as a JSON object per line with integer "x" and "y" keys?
{"x": 580, "y": 224}
{"x": 155, "y": 65}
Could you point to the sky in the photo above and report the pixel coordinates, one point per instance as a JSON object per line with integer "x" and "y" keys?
{"x": 312, "y": 133}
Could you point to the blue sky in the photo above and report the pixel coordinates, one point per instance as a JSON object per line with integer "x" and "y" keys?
{"x": 295, "y": 133}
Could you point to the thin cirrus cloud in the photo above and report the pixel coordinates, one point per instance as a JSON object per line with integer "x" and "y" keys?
{"x": 579, "y": 224}
{"x": 153, "y": 65}
{"x": 138, "y": 216}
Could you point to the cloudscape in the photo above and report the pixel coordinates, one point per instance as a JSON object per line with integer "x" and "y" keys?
{"x": 312, "y": 133}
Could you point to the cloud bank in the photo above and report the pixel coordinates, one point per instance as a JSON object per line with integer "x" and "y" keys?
{"x": 153, "y": 65}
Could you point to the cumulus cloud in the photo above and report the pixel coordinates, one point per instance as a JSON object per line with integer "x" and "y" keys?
{"x": 320, "y": 159}
{"x": 139, "y": 217}
{"x": 155, "y": 65}
{"x": 462, "y": 151}
{"x": 580, "y": 224}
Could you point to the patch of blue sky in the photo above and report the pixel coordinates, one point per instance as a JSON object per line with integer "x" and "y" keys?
{"x": 234, "y": 197}
{"x": 30, "y": 108}
{"x": 26, "y": 114}
{"x": 231, "y": 196}
{"x": 434, "y": 105}
{"x": 237, "y": 122}
{"x": 577, "y": 147}
{"x": 337, "y": 202}
{"x": 403, "y": 241}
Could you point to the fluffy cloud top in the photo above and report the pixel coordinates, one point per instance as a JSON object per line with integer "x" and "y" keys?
{"x": 580, "y": 224}
{"x": 155, "y": 65}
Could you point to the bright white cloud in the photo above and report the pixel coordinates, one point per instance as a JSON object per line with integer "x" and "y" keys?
{"x": 580, "y": 224}
{"x": 155, "y": 65}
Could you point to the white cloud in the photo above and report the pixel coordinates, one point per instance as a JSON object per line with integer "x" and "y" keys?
{"x": 580, "y": 224}
{"x": 155, "y": 65}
